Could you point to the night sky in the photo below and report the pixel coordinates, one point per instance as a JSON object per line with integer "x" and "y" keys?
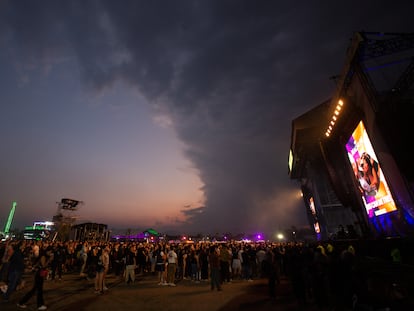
{"x": 172, "y": 115}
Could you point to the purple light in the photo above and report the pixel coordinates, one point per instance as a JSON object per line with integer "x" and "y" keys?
{"x": 259, "y": 237}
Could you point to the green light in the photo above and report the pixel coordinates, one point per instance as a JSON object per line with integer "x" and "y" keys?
{"x": 32, "y": 228}
{"x": 10, "y": 219}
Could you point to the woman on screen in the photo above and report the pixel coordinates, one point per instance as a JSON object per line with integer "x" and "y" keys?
{"x": 368, "y": 175}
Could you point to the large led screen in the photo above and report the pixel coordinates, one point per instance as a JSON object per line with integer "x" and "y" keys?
{"x": 315, "y": 218}
{"x": 372, "y": 184}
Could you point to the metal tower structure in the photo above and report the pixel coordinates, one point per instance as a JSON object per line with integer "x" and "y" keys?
{"x": 65, "y": 217}
{"x": 10, "y": 218}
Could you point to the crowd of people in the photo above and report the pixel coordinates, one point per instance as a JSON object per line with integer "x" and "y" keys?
{"x": 323, "y": 273}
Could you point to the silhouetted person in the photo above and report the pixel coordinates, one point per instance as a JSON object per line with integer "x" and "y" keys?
{"x": 271, "y": 270}
{"x": 15, "y": 269}
{"x": 214, "y": 261}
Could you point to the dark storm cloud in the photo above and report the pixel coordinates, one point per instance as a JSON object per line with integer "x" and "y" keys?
{"x": 230, "y": 74}
{"x": 191, "y": 212}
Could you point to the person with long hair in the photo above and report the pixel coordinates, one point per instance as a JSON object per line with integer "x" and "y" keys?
{"x": 368, "y": 175}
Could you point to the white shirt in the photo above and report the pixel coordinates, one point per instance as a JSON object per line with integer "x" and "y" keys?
{"x": 172, "y": 257}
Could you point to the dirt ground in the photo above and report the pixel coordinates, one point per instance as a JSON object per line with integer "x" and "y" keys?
{"x": 75, "y": 293}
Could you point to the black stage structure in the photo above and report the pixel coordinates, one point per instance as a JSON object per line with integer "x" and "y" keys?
{"x": 90, "y": 231}
{"x": 368, "y": 117}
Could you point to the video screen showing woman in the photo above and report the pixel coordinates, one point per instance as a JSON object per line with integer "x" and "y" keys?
{"x": 368, "y": 175}
{"x": 372, "y": 184}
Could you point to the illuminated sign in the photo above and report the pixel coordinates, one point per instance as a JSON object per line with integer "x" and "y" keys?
{"x": 316, "y": 227}
{"x": 312, "y": 206}
{"x": 290, "y": 160}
